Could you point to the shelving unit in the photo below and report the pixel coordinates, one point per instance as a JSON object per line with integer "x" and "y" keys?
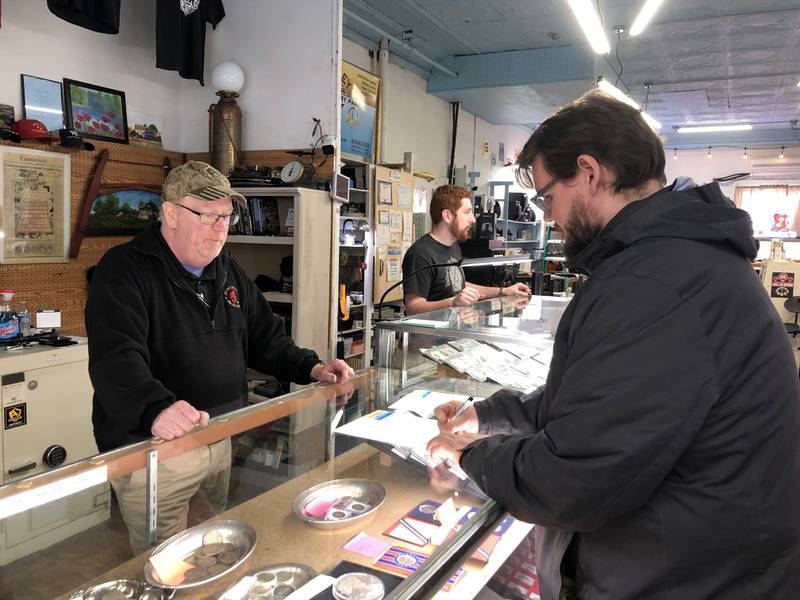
{"x": 306, "y": 308}
{"x": 355, "y": 264}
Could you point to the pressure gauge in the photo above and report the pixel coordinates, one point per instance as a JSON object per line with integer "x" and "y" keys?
{"x": 292, "y": 172}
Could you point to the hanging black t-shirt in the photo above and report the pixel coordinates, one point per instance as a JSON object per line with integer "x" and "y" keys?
{"x": 98, "y": 15}
{"x": 181, "y": 34}
{"x": 437, "y": 283}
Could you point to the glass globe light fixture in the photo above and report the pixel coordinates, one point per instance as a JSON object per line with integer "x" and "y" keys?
{"x": 227, "y": 76}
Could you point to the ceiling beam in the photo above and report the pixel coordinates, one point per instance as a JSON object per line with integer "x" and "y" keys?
{"x": 516, "y": 67}
{"x": 398, "y": 42}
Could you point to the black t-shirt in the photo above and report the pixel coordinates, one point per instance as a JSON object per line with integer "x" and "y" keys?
{"x": 181, "y": 37}
{"x": 437, "y": 283}
{"x": 98, "y": 15}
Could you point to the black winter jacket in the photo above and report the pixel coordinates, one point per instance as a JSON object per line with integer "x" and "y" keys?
{"x": 152, "y": 341}
{"x": 662, "y": 457}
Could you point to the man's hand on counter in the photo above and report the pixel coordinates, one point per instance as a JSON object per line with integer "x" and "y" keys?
{"x": 177, "y": 420}
{"x": 333, "y": 371}
{"x": 448, "y": 446}
{"x": 518, "y": 289}
{"x": 466, "y": 297}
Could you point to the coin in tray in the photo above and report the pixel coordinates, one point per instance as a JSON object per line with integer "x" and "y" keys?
{"x": 200, "y": 554}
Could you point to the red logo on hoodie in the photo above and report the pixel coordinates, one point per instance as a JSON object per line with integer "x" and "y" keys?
{"x": 232, "y": 296}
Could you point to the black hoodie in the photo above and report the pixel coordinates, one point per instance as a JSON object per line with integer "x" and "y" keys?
{"x": 152, "y": 341}
{"x": 661, "y": 460}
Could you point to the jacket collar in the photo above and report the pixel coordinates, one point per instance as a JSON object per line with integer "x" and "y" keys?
{"x": 152, "y": 243}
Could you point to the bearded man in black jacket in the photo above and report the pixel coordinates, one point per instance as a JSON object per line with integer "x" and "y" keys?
{"x": 173, "y": 324}
{"x": 661, "y": 459}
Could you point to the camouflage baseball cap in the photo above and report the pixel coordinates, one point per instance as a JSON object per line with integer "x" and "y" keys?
{"x": 198, "y": 180}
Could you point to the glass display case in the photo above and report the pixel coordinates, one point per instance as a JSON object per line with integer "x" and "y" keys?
{"x": 506, "y": 341}
{"x": 282, "y": 448}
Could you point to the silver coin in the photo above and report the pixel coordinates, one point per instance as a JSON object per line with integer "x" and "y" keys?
{"x": 228, "y": 558}
{"x": 213, "y": 549}
{"x": 213, "y": 536}
{"x": 206, "y": 561}
{"x": 427, "y": 509}
{"x": 216, "y": 570}
{"x": 282, "y": 591}
{"x": 194, "y": 574}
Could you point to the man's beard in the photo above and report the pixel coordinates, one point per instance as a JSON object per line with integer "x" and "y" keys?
{"x": 462, "y": 235}
{"x": 580, "y": 230}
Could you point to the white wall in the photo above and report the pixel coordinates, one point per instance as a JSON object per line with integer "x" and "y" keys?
{"x": 35, "y": 42}
{"x": 421, "y": 123}
{"x": 289, "y": 54}
{"x": 288, "y": 51}
{"x": 723, "y": 161}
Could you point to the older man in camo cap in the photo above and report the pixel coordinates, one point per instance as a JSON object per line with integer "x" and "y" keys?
{"x": 173, "y": 323}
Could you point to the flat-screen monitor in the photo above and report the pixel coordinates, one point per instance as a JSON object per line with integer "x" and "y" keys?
{"x": 340, "y": 188}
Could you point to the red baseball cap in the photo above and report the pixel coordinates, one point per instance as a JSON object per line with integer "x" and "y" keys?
{"x": 30, "y": 129}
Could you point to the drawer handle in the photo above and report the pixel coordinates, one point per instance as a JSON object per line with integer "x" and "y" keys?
{"x": 22, "y": 469}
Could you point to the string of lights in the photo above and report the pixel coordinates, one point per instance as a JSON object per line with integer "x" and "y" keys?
{"x": 780, "y": 150}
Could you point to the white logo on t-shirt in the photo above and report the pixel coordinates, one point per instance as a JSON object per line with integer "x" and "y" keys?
{"x": 454, "y": 278}
{"x": 189, "y": 6}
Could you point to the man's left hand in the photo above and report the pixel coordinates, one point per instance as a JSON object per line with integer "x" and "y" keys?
{"x": 449, "y": 446}
{"x": 518, "y": 289}
{"x": 332, "y": 371}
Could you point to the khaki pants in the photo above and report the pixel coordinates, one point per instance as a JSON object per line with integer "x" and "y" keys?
{"x": 206, "y": 469}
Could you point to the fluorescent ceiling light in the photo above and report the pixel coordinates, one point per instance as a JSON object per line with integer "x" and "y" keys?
{"x": 654, "y": 125}
{"x": 617, "y": 93}
{"x": 713, "y": 128}
{"x": 589, "y": 20}
{"x": 612, "y": 90}
{"x": 645, "y": 14}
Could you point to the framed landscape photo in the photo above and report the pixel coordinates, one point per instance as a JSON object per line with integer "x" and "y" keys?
{"x": 96, "y": 112}
{"x": 123, "y": 209}
{"x": 42, "y": 100}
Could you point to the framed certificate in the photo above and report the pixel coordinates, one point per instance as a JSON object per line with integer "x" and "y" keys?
{"x": 42, "y": 100}
{"x": 34, "y": 205}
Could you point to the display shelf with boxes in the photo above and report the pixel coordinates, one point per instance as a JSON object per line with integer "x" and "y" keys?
{"x": 282, "y": 242}
{"x": 331, "y": 501}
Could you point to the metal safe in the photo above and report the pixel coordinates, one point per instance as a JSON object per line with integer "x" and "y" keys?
{"x": 46, "y": 400}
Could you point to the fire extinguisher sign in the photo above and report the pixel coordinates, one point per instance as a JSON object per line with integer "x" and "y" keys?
{"x": 782, "y": 285}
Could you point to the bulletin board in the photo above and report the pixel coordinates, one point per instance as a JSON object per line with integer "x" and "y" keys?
{"x": 394, "y": 228}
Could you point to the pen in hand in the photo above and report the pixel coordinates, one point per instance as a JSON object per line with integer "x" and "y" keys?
{"x": 461, "y": 409}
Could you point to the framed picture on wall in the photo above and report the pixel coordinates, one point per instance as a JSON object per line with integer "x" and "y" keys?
{"x": 123, "y": 209}
{"x": 96, "y": 112}
{"x": 42, "y": 100}
{"x": 35, "y": 202}
{"x": 385, "y": 192}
